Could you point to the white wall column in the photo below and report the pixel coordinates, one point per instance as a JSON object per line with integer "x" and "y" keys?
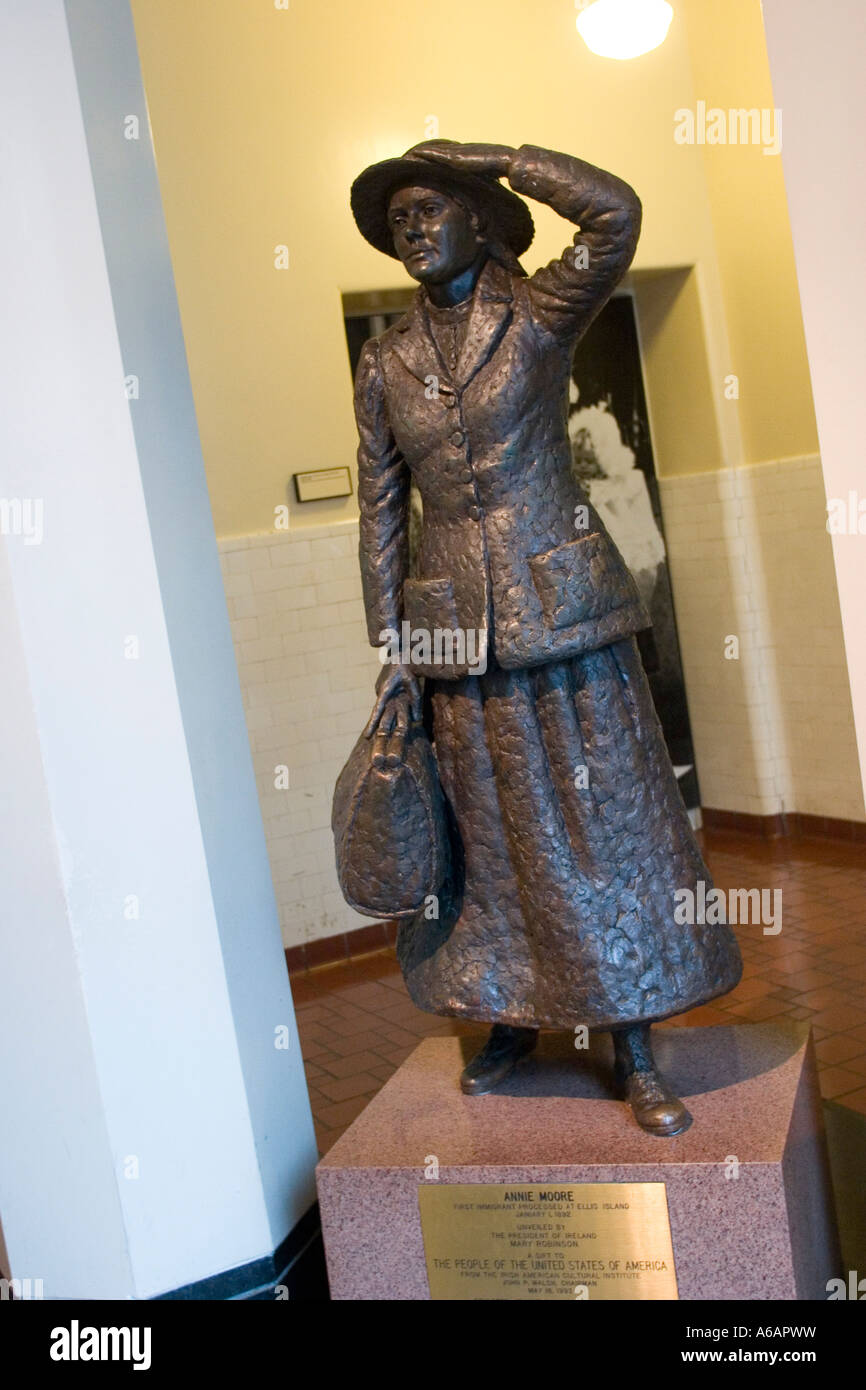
{"x": 817, "y": 56}
{"x": 156, "y": 1126}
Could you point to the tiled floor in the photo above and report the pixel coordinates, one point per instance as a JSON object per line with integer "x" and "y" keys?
{"x": 357, "y": 1024}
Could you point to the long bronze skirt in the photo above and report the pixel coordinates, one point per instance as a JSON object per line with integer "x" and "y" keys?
{"x": 570, "y": 841}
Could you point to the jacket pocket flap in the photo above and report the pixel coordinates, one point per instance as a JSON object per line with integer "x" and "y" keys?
{"x": 581, "y": 580}
{"x": 430, "y": 603}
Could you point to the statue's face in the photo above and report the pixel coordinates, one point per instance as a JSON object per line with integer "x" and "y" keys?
{"x": 435, "y": 238}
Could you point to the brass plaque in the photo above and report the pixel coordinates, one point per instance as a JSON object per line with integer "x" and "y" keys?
{"x": 546, "y": 1241}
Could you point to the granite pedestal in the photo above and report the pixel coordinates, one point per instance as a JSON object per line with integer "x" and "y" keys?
{"x": 747, "y": 1186}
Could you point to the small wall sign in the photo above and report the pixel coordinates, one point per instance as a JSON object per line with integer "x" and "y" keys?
{"x": 321, "y": 483}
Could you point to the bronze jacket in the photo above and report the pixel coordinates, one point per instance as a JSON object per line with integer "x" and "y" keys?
{"x": 509, "y": 542}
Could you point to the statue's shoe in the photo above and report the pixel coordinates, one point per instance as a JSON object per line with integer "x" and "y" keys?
{"x": 654, "y": 1105}
{"x": 497, "y": 1058}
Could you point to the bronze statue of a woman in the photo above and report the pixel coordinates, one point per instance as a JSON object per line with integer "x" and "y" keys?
{"x": 571, "y": 835}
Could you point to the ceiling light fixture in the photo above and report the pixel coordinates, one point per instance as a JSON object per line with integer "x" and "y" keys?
{"x": 624, "y": 28}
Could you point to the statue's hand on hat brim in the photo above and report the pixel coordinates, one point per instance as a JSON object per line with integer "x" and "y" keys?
{"x": 492, "y": 160}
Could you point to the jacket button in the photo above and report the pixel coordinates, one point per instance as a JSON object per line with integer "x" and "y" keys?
{"x": 448, "y": 400}
{"x": 474, "y": 513}
{"x": 458, "y": 438}
{"x": 466, "y": 475}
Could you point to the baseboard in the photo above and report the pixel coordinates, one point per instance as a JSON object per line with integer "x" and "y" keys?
{"x": 793, "y": 825}
{"x": 295, "y": 1271}
{"x": 327, "y": 950}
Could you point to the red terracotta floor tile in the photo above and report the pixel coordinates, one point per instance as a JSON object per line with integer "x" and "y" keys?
{"x": 384, "y": 1071}
{"x": 399, "y": 1037}
{"x": 703, "y": 1017}
{"x": 336, "y": 1088}
{"x": 823, "y": 998}
{"x": 350, "y": 1065}
{"x": 351, "y": 1027}
{"x": 751, "y": 988}
{"x": 398, "y": 1055}
{"x": 340, "y": 1115}
{"x": 839, "y": 1018}
{"x": 356, "y": 1042}
{"x": 326, "y": 1138}
{"x": 758, "y": 1010}
{"x": 840, "y": 1047}
{"x": 801, "y": 982}
{"x": 835, "y": 1081}
{"x": 855, "y": 1099}
{"x": 405, "y": 1016}
{"x": 791, "y": 964}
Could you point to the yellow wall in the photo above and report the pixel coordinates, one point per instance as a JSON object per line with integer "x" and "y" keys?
{"x": 753, "y": 237}
{"x": 680, "y": 390}
{"x": 261, "y": 119}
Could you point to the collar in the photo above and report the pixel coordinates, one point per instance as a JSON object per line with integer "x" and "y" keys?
{"x": 488, "y": 319}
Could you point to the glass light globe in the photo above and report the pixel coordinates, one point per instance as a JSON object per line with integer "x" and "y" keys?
{"x": 624, "y": 28}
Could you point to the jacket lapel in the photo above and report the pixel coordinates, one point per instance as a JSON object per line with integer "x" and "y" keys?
{"x": 490, "y": 316}
{"x": 491, "y": 311}
{"x": 413, "y": 343}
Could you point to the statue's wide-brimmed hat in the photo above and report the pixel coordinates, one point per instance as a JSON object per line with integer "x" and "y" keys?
{"x": 506, "y": 215}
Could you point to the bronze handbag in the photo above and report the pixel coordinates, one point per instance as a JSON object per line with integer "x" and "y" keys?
{"x": 389, "y": 824}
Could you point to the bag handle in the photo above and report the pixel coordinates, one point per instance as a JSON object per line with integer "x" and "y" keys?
{"x": 389, "y": 744}
{"x": 389, "y": 749}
